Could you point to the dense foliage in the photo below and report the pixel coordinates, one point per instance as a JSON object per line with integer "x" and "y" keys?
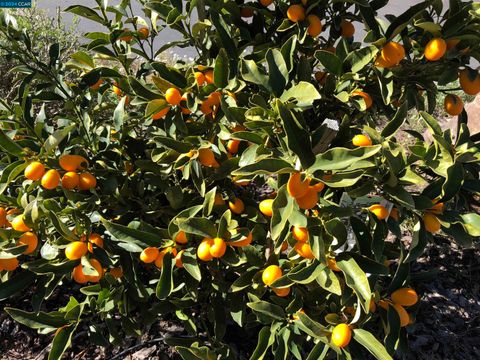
{"x": 265, "y": 190}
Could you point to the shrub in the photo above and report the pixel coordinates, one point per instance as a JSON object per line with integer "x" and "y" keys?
{"x": 147, "y": 206}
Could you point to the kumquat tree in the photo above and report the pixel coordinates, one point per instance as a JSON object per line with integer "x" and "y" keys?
{"x": 263, "y": 189}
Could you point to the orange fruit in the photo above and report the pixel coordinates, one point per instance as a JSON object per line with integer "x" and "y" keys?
{"x": 181, "y": 237}
{"x": 379, "y": 211}
{"x": 209, "y": 76}
{"x": 127, "y": 36}
{"x": 451, "y": 43}
{"x": 78, "y": 275}
{"x": 246, "y": 12}
{"x": 143, "y": 33}
{"x": 366, "y": 97}
{"x": 304, "y": 250}
{"x": 373, "y": 306}
{"x": 435, "y": 49}
{"x": 218, "y": 248}
{"x": 432, "y": 225}
{"x": 75, "y": 250}
{"x": 394, "y": 214}
{"x": 70, "y": 180}
{"x": 391, "y": 55}
{"x": 149, "y": 254}
{"x": 203, "y": 250}
{"x": 161, "y": 114}
{"x": 341, "y": 335}
{"x": 237, "y": 206}
{"x": 232, "y": 146}
{"x": 300, "y": 233}
{"x": 453, "y": 105}
{"x": 94, "y": 239}
{"x": 361, "y": 140}
{"x": 3, "y": 217}
{"x": 402, "y": 313}
{"x": 265, "y": 207}
{"x": 199, "y": 78}
{"x": 296, "y": 13}
{"x": 284, "y": 246}
{"x": 117, "y": 90}
{"x": 332, "y": 264}
{"x": 30, "y": 239}
{"x": 318, "y": 186}
{"x": 383, "y": 304}
{"x": 321, "y": 77}
{"x": 347, "y": 29}
{"x": 309, "y": 200}
{"x": 34, "y": 171}
{"x": 266, "y": 3}
{"x": 296, "y": 187}
{"x": 98, "y": 267}
{"x": 214, "y": 98}
{"x": 97, "y": 85}
{"x": 271, "y": 274}
{"x": 50, "y": 179}
{"x": 437, "y": 208}
{"x": 173, "y": 96}
{"x": 178, "y": 259}
{"x": 283, "y": 292}
{"x": 207, "y": 158}
{"x": 469, "y": 81}
{"x": 219, "y": 200}
{"x": 315, "y": 25}
{"x": 8, "y": 264}
{"x": 87, "y": 181}
{"x": 116, "y": 272}
{"x": 161, "y": 255}
{"x": 246, "y": 240}
{"x": 404, "y": 297}
{"x": 18, "y": 224}
{"x": 72, "y": 162}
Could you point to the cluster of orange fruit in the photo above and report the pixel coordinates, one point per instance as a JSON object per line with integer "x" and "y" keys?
{"x": 128, "y": 35}
{"x": 70, "y": 180}
{"x": 400, "y": 299}
{"x": 305, "y": 195}
{"x": 155, "y": 255}
{"x": 302, "y": 247}
{"x": 271, "y": 274}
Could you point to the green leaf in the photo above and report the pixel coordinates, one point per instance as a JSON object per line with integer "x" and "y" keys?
{"x": 272, "y": 311}
{"x": 303, "y": 93}
{"x": 343, "y": 158}
{"x": 170, "y": 74}
{"x": 330, "y": 62}
{"x": 61, "y": 227}
{"x": 189, "y": 259}
{"x": 282, "y": 209}
{"x": 9, "y": 145}
{"x": 198, "y": 226}
{"x": 356, "y": 279}
{"x": 432, "y": 123}
{"x": 472, "y": 223}
{"x": 165, "y": 285}
{"x": 278, "y": 72}
{"x": 397, "y": 121}
{"x": 16, "y": 284}
{"x": 265, "y": 166}
{"x": 454, "y": 181}
{"x": 85, "y": 12}
{"x": 126, "y": 234}
{"x": 265, "y": 340}
{"x": 221, "y": 72}
{"x": 402, "y": 21}
{"x": 142, "y": 90}
{"x": 311, "y": 327}
{"x": 370, "y": 342}
{"x": 40, "y": 320}
{"x": 62, "y": 341}
{"x": 360, "y": 58}
{"x": 251, "y": 73}
{"x": 57, "y": 137}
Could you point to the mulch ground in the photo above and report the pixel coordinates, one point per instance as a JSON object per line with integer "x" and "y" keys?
{"x": 447, "y": 324}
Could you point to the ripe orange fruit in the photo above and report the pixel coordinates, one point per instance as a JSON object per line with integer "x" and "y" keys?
{"x": 245, "y": 241}
{"x": 70, "y": 180}
{"x": 296, "y": 13}
{"x": 207, "y": 158}
{"x": 232, "y": 146}
{"x": 361, "y": 140}
{"x": 435, "y": 49}
{"x": 383, "y": 304}
{"x": 309, "y": 200}
{"x": 432, "y": 225}
{"x": 178, "y": 259}
{"x": 321, "y": 77}
{"x": 117, "y": 90}
{"x": 34, "y": 171}
{"x": 209, "y": 76}
{"x": 149, "y": 254}
{"x": 437, "y": 208}
{"x": 265, "y": 207}
{"x": 98, "y": 267}
{"x": 300, "y": 233}
{"x": 161, "y": 114}
{"x": 117, "y": 272}
{"x": 402, "y": 313}
{"x": 173, "y": 96}
{"x": 394, "y": 214}
{"x": 143, "y": 33}
{"x": 72, "y": 162}
{"x": 266, "y": 3}
{"x": 218, "y": 248}
{"x": 284, "y": 246}
{"x": 97, "y": 85}
{"x": 50, "y": 179}
{"x": 341, "y": 335}
{"x": 219, "y": 200}
{"x": 404, "y": 297}
{"x": 282, "y": 292}
{"x": 203, "y": 250}
{"x": 8, "y": 264}
{"x": 347, "y": 29}
{"x": 3, "y": 217}
{"x": 332, "y": 264}
{"x": 469, "y": 81}
{"x": 18, "y": 224}
{"x": 379, "y": 211}
{"x": 181, "y": 237}
{"x": 161, "y": 255}
{"x": 237, "y": 206}
{"x": 271, "y": 274}
{"x": 246, "y": 12}
{"x": 451, "y": 43}
{"x": 304, "y": 250}
{"x": 127, "y": 37}
{"x": 30, "y": 239}
{"x": 199, "y": 78}
{"x": 318, "y": 186}
{"x": 315, "y": 25}
{"x": 87, "y": 181}
{"x": 94, "y": 239}
{"x": 75, "y": 250}
{"x": 453, "y": 104}
{"x": 390, "y": 55}
{"x": 296, "y": 187}
{"x": 366, "y": 97}
{"x": 78, "y": 275}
